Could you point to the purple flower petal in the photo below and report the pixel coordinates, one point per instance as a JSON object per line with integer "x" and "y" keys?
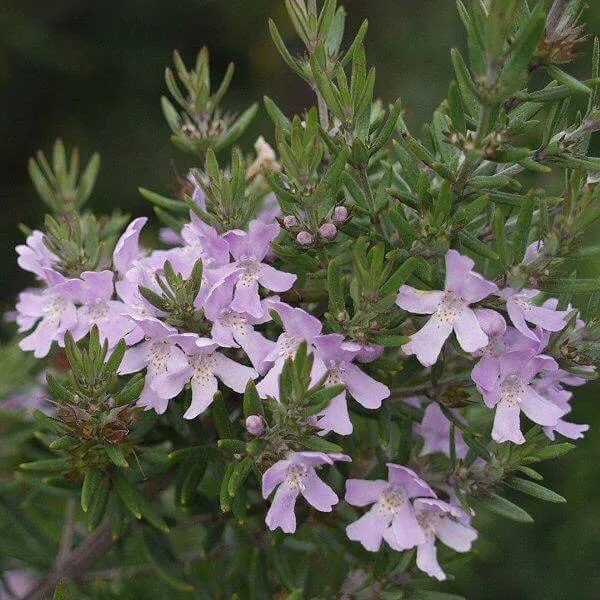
{"x": 273, "y": 476}
{"x": 203, "y": 393}
{"x": 231, "y": 373}
{"x": 427, "y": 343}
{"x": 364, "y": 389}
{"x": 318, "y": 493}
{"x": 468, "y": 331}
{"x": 369, "y": 529}
{"x": 361, "y": 492}
{"x": 281, "y": 513}
{"x": 419, "y": 302}
{"x": 427, "y": 560}
{"x": 507, "y": 427}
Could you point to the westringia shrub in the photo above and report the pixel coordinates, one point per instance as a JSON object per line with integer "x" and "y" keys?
{"x": 337, "y": 352}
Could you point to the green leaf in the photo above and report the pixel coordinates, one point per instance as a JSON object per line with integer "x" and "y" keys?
{"x": 553, "y": 451}
{"x": 571, "y": 286}
{"x": 221, "y": 417}
{"x": 399, "y": 277}
{"x": 128, "y": 492}
{"x": 88, "y": 179}
{"x": 98, "y": 503}
{"x": 176, "y": 206}
{"x": 535, "y": 489}
{"x": 455, "y": 109}
{"x": 116, "y": 455}
{"x": 565, "y": 79}
{"x": 523, "y": 228}
{"x": 337, "y": 303}
{"x": 239, "y": 475}
{"x": 90, "y": 483}
{"x": 53, "y": 465}
{"x": 465, "y": 84}
{"x": 521, "y": 51}
{"x": 194, "y": 476}
{"x": 277, "y": 115}
{"x": 231, "y": 447}
{"x": 321, "y": 445}
{"x": 282, "y": 48}
{"x": 48, "y": 423}
{"x": 161, "y": 566}
{"x": 236, "y": 130}
{"x": 224, "y": 497}
{"x": 468, "y": 240}
{"x": 505, "y": 508}
{"x": 252, "y": 403}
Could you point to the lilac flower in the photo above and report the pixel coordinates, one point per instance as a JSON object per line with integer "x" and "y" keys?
{"x": 269, "y": 210}
{"x": 392, "y": 516}
{"x": 508, "y": 386}
{"x": 201, "y": 241}
{"x": 449, "y": 309}
{"x": 29, "y": 397}
{"x": 127, "y": 250}
{"x": 249, "y": 249}
{"x": 549, "y": 385}
{"x": 436, "y": 521}
{"x": 100, "y": 309}
{"x": 34, "y": 255}
{"x": 337, "y": 356}
{"x": 293, "y": 476}
{"x": 521, "y": 310}
{"x": 533, "y": 252}
{"x": 17, "y": 583}
{"x": 299, "y": 327}
{"x": 232, "y": 329}
{"x": 196, "y": 177}
{"x": 204, "y": 366}
{"x": 53, "y": 309}
{"x": 435, "y": 431}
{"x": 369, "y": 352}
{"x": 159, "y": 354}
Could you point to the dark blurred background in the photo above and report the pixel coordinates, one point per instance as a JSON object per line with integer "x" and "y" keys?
{"x": 92, "y": 73}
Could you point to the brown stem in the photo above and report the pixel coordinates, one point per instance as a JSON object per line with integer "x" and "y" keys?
{"x": 76, "y": 562}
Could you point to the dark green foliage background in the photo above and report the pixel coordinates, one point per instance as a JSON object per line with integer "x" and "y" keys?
{"x": 92, "y": 72}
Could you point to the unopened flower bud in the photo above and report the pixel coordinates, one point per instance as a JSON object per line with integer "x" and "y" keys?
{"x": 340, "y": 214}
{"x": 255, "y": 425}
{"x": 304, "y": 238}
{"x": 328, "y": 231}
{"x": 290, "y": 221}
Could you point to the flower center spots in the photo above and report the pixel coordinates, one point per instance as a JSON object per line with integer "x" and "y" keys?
{"x": 56, "y": 307}
{"x": 98, "y": 310}
{"x": 392, "y": 500}
{"x": 288, "y": 344}
{"x": 251, "y": 270}
{"x": 158, "y": 355}
{"x": 203, "y": 365}
{"x": 450, "y": 307}
{"x": 495, "y": 347}
{"x": 522, "y": 303}
{"x": 234, "y": 320}
{"x": 335, "y": 372}
{"x": 428, "y": 521}
{"x": 295, "y": 476}
{"x": 512, "y": 390}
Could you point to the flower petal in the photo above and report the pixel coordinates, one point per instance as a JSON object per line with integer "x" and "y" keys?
{"x": 361, "y": 492}
{"x": 281, "y": 513}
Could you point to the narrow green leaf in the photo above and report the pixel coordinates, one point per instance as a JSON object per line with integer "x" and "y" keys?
{"x": 535, "y": 489}
{"x": 505, "y": 508}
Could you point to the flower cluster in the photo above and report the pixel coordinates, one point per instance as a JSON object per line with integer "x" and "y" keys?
{"x": 291, "y": 337}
